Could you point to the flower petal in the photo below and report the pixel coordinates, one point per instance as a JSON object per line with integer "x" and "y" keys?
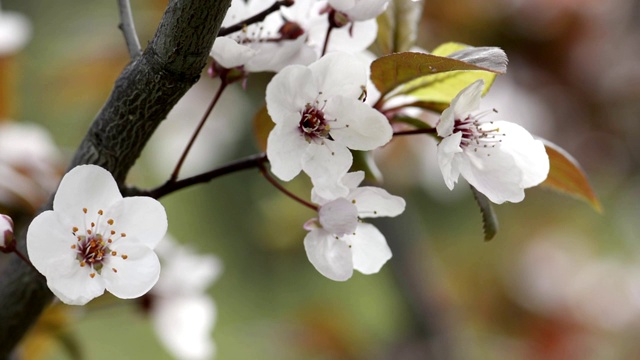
{"x": 339, "y": 73}
{"x": 330, "y": 256}
{"x": 133, "y": 276}
{"x": 73, "y": 285}
{"x": 528, "y": 153}
{"x": 467, "y": 100}
{"x": 86, "y": 186}
{"x": 285, "y": 150}
{"x": 288, "y": 92}
{"x": 495, "y": 175}
{"x": 448, "y": 153}
{"x": 375, "y": 202}
{"x": 326, "y": 164}
{"x": 49, "y": 243}
{"x": 339, "y": 217}
{"x": 184, "y": 325}
{"x": 230, "y": 54}
{"x": 141, "y": 217}
{"x": 369, "y": 248}
{"x": 357, "y": 125}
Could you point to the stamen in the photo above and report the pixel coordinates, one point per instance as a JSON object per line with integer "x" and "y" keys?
{"x": 124, "y": 257}
{"x": 110, "y": 221}
{"x": 75, "y": 229}
{"x": 114, "y": 270}
{"x": 92, "y": 275}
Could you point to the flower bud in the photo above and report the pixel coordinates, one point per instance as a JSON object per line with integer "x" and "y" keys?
{"x": 6, "y": 234}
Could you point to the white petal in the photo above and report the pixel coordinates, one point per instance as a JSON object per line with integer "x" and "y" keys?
{"x": 133, "y": 276}
{"x": 273, "y": 56}
{"x": 357, "y": 125}
{"x": 288, "y": 92}
{"x": 73, "y": 284}
{"x": 495, "y": 175}
{"x": 528, "y": 153}
{"x": 184, "y": 325}
{"x": 229, "y": 53}
{"x": 86, "y": 186}
{"x": 339, "y": 74}
{"x": 467, "y": 100}
{"x": 285, "y": 149}
{"x": 339, "y": 217}
{"x": 353, "y": 179}
{"x": 330, "y": 256}
{"x": 15, "y": 31}
{"x": 49, "y": 241}
{"x": 360, "y": 10}
{"x": 446, "y": 122}
{"x": 370, "y": 249}
{"x": 326, "y": 165}
{"x": 375, "y": 202}
{"x": 448, "y": 153}
{"x": 353, "y": 38}
{"x": 141, "y": 217}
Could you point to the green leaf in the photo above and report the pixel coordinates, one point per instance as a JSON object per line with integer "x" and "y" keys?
{"x": 398, "y": 27}
{"x": 566, "y": 175}
{"x": 489, "y": 219}
{"x": 417, "y": 72}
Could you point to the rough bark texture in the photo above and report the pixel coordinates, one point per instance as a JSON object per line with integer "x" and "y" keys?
{"x": 142, "y": 96}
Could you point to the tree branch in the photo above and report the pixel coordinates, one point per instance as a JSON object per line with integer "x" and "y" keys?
{"x": 128, "y": 29}
{"x": 141, "y": 98}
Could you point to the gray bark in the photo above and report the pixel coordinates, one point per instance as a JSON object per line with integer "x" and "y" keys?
{"x": 141, "y": 98}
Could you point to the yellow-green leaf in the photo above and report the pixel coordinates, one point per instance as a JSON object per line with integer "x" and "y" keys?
{"x": 566, "y": 175}
{"x": 414, "y": 71}
{"x": 441, "y": 88}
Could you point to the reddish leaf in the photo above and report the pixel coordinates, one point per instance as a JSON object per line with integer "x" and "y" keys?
{"x": 567, "y": 176}
{"x": 262, "y": 125}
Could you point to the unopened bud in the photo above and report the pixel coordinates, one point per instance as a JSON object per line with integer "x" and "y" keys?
{"x": 6, "y": 234}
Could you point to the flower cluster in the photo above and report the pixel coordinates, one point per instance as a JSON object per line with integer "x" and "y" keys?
{"x": 338, "y": 241}
{"x": 296, "y": 34}
{"x": 94, "y": 239}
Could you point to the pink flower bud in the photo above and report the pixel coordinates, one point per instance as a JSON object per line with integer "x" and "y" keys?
{"x": 6, "y": 233}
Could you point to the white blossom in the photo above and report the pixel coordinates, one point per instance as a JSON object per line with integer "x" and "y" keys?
{"x": 183, "y": 314}
{"x": 339, "y": 242}
{"x": 263, "y": 46}
{"x": 94, "y": 239}
{"x": 319, "y": 116}
{"x": 499, "y": 158}
{"x": 360, "y": 10}
{"x": 15, "y": 31}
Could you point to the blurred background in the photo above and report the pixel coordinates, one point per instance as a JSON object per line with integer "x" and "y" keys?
{"x": 560, "y": 280}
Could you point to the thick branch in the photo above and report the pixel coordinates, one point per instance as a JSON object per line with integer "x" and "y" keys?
{"x": 141, "y": 98}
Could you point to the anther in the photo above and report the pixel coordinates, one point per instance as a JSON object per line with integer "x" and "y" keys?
{"x": 124, "y": 257}
{"x": 123, "y": 234}
{"x": 92, "y": 275}
{"x": 113, "y": 253}
{"x": 114, "y": 270}
{"x": 84, "y": 210}
{"x": 75, "y": 229}
{"x": 110, "y": 221}
{"x": 100, "y": 212}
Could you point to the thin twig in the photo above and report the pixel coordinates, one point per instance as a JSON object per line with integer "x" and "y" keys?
{"x": 128, "y": 29}
{"x": 253, "y": 161}
{"x": 282, "y": 189}
{"x": 414, "y": 132}
{"x": 255, "y": 18}
{"x": 214, "y": 101}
